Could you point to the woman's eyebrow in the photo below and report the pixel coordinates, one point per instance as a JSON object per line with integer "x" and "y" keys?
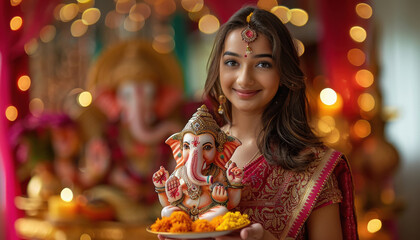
{"x": 231, "y": 54}
{"x": 263, "y": 55}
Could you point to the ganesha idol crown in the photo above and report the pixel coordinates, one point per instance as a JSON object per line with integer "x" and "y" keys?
{"x": 202, "y": 180}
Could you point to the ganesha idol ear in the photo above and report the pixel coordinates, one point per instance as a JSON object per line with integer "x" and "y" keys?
{"x": 228, "y": 149}
{"x": 175, "y": 143}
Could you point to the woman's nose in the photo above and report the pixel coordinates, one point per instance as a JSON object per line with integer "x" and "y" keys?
{"x": 245, "y": 77}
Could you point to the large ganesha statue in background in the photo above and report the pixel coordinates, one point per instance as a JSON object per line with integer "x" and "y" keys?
{"x": 205, "y": 184}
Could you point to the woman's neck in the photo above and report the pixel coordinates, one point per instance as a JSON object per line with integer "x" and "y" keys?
{"x": 245, "y": 126}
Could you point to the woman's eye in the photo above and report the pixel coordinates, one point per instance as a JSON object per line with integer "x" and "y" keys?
{"x": 231, "y": 63}
{"x": 264, "y": 65}
{"x": 186, "y": 146}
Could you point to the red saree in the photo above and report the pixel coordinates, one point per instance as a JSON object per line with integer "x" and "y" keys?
{"x": 282, "y": 200}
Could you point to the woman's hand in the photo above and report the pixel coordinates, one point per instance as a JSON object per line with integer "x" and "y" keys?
{"x": 253, "y": 232}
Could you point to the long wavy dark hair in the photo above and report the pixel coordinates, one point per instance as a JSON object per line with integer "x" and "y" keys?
{"x": 286, "y": 131}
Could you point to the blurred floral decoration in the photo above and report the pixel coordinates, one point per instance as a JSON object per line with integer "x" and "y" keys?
{"x": 105, "y": 88}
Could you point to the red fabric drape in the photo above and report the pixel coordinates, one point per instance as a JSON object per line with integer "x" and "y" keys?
{"x": 14, "y": 63}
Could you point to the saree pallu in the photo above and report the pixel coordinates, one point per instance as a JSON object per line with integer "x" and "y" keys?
{"x": 282, "y": 200}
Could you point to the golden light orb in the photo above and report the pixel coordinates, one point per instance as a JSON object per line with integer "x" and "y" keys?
{"x": 36, "y": 106}
{"x": 364, "y": 10}
{"x": 364, "y": 78}
{"x": 208, "y": 24}
{"x": 14, "y": 3}
{"x": 16, "y": 23}
{"x": 328, "y": 96}
{"x": 69, "y": 12}
{"x": 24, "y": 82}
{"x": 300, "y": 48}
{"x": 267, "y": 4}
{"x": 124, "y": 6}
{"x": 11, "y": 113}
{"x": 374, "y": 225}
{"x": 358, "y": 34}
{"x": 283, "y": 13}
{"x": 91, "y": 15}
{"x": 31, "y": 46}
{"x": 140, "y": 12}
{"x": 47, "y": 33}
{"x": 333, "y": 137}
{"x": 362, "y": 128}
{"x": 299, "y": 17}
{"x": 66, "y": 194}
{"x": 192, "y": 5}
{"x": 366, "y": 102}
{"x": 78, "y": 28}
{"x": 356, "y": 57}
{"x": 84, "y": 99}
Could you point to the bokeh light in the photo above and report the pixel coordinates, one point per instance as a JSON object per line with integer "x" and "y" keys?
{"x": 140, "y": 12}
{"x": 31, "y": 46}
{"x": 16, "y": 23}
{"x": 113, "y": 19}
{"x": 24, "y": 82}
{"x": 356, "y": 57}
{"x": 374, "y": 225}
{"x": 14, "y": 3}
{"x": 78, "y": 28}
{"x": 47, "y": 33}
{"x": 299, "y": 17}
{"x": 208, "y": 24}
{"x": 364, "y": 78}
{"x": 300, "y": 48}
{"x": 85, "y": 99}
{"x": 91, "y": 16}
{"x": 124, "y": 6}
{"x": 358, "y": 33}
{"x": 328, "y": 96}
{"x": 283, "y": 13}
{"x": 69, "y": 12}
{"x": 366, "y": 102}
{"x": 36, "y": 107}
{"x": 11, "y": 113}
{"x": 364, "y": 10}
{"x": 362, "y": 128}
{"x": 66, "y": 194}
{"x": 163, "y": 43}
{"x": 266, "y": 4}
{"x": 192, "y": 5}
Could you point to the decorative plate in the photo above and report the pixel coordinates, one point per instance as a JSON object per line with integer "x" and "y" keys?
{"x": 196, "y": 235}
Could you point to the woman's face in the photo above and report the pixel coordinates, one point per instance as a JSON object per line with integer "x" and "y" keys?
{"x": 251, "y": 82}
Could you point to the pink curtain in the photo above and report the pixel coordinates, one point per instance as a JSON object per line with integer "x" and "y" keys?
{"x": 13, "y": 63}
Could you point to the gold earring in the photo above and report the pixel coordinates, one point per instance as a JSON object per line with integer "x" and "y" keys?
{"x": 222, "y": 100}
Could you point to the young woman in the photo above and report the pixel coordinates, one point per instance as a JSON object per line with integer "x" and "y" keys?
{"x": 294, "y": 186}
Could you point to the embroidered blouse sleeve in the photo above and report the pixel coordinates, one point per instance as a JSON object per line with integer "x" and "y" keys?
{"x": 330, "y": 193}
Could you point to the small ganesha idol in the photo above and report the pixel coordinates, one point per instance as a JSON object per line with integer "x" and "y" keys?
{"x": 204, "y": 184}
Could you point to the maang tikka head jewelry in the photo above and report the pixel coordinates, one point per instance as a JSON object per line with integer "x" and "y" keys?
{"x": 248, "y": 35}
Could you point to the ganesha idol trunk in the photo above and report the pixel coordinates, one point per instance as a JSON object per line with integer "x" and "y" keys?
{"x": 201, "y": 184}
{"x": 194, "y": 170}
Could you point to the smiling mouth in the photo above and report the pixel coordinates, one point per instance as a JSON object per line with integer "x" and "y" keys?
{"x": 246, "y": 93}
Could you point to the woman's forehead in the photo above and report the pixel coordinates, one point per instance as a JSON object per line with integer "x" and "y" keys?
{"x": 234, "y": 43}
